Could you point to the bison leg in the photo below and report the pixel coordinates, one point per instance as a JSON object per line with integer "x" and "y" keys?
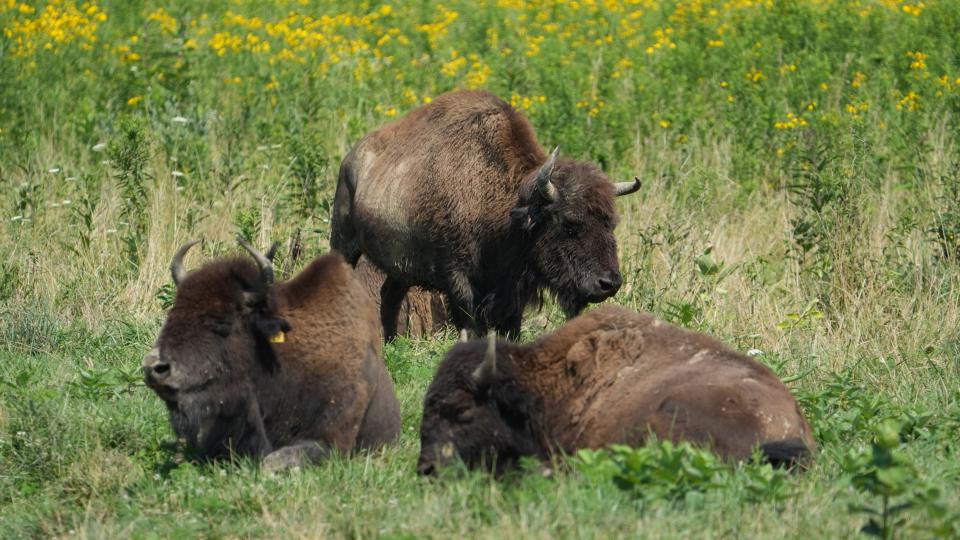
{"x": 295, "y": 455}
{"x": 510, "y": 326}
{"x": 462, "y": 309}
{"x": 255, "y": 419}
{"x": 391, "y": 296}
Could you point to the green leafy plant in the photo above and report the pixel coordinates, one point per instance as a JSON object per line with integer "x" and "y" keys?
{"x": 247, "y": 222}
{"x": 803, "y": 318}
{"x": 946, "y": 228}
{"x": 128, "y": 153}
{"x": 166, "y": 294}
{"x": 107, "y": 382}
{"x": 885, "y": 473}
{"x": 305, "y": 186}
{"x": 673, "y": 472}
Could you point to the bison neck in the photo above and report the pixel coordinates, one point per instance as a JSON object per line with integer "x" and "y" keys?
{"x": 507, "y": 281}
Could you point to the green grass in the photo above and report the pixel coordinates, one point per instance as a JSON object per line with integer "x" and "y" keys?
{"x": 800, "y": 197}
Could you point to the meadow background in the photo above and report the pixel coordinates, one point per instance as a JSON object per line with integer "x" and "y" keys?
{"x": 801, "y": 197}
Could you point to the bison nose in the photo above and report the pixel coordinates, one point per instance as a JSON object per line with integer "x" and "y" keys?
{"x": 155, "y": 369}
{"x": 609, "y": 285}
{"x": 426, "y": 469}
{"x": 160, "y": 370}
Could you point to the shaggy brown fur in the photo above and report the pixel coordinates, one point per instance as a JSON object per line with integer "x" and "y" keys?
{"x": 610, "y": 376}
{"x": 447, "y": 198}
{"x": 228, "y": 388}
{"x": 422, "y": 312}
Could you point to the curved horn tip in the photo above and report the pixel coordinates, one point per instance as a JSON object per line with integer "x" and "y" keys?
{"x": 544, "y": 185}
{"x": 266, "y": 267}
{"x": 626, "y": 188}
{"x": 487, "y": 370}
{"x": 177, "y": 271}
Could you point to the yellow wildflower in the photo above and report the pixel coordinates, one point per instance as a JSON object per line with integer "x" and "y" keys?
{"x": 909, "y": 102}
{"x": 452, "y": 68}
{"x": 918, "y": 60}
{"x": 793, "y": 121}
{"x": 858, "y": 79}
{"x": 478, "y": 74}
{"x": 914, "y": 9}
{"x": 167, "y": 23}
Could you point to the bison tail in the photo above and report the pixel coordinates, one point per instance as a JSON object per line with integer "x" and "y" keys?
{"x": 785, "y": 453}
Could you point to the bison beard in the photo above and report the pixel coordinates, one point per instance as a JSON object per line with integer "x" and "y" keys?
{"x": 215, "y": 428}
{"x": 460, "y": 198}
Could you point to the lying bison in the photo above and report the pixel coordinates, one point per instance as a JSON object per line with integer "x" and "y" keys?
{"x": 610, "y": 376}
{"x": 422, "y": 313}
{"x": 459, "y": 197}
{"x": 287, "y": 371}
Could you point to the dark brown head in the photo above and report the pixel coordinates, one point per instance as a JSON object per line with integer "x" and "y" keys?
{"x": 212, "y": 348}
{"x": 569, "y": 212}
{"x": 474, "y": 412}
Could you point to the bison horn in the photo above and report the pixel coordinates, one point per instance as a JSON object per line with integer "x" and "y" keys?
{"x": 626, "y": 188}
{"x": 176, "y": 265}
{"x": 266, "y": 267}
{"x": 544, "y": 185}
{"x": 485, "y": 373}
{"x": 272, "y": 252}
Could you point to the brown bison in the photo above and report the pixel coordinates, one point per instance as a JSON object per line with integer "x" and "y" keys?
{"x": 609, "y": 376}
{"x": 289, "y": 371}
{"x": 422, "y": 312}
{"x": 459, "y": 197}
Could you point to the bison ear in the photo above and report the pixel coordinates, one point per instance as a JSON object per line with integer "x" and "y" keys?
{"x": 269, "y": 329}
{"x": 273, "y": 328}
{"x": 526, "y": 217}
{"x": 515, "y": 405}
{"x": 522, "y": 217}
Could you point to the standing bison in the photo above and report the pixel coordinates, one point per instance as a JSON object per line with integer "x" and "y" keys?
{"x": 288, "y": 371}
{"x": 459, "y": 197}
{"x": 610, "y": 376}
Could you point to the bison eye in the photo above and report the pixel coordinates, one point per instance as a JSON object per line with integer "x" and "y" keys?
{"x": 458, "y": 411}
{"x": 571, "y": 229}
{"x": 220, "y": 326}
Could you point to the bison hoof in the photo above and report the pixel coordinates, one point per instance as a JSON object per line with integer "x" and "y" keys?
{"x": 284, "y": 459}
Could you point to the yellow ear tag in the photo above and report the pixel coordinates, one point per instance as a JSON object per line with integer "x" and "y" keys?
{"x": 279, "y": 337}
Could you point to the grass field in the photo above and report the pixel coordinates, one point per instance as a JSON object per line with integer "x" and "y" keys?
{"x": 801, "y": 197}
